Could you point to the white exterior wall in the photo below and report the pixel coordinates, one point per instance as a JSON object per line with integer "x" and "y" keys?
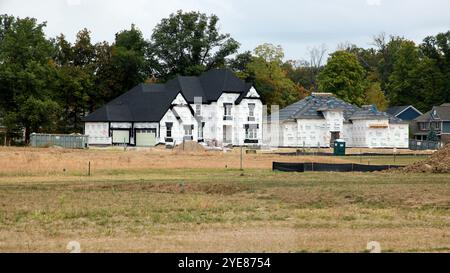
{"x": 399, "y": 135}
{"x": 391, "y": 136}
{"x": 313, "y": 133}
{"x": 185, "y": 117}
{"x": 212, "y": 114}
{"x": 347, "y": 134}
{"x": 98, "y": 133}
{"x": 334, "y": 120}
{"x": 359, "y": 133}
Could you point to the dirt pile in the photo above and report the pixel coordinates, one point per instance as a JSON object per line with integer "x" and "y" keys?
{"x": 189, "y": 146}
{"x": 439, "y": 162}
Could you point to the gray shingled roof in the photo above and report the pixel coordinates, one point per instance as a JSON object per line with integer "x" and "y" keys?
{"x": 149, "y": 102}
{"x": 312, "y": 107}
{"x": 395, "y": 110}
{"x": 370, "y": 112}
{"x": 443, "y": 112}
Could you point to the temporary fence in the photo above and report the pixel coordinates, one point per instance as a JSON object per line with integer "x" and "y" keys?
{"x": 329, "y": 167}
{"x": 66, "y": 141}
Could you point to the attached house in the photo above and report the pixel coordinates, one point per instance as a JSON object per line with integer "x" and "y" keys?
{"x": 321, "y": 118}
{"x": 437, "y": 119}
{"x": 406, "y": 112}
{"x": 215, "y": 107}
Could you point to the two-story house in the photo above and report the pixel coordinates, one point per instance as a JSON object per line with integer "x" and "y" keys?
{"x": 215, "y": 107}
{"x": 436, "y": 120}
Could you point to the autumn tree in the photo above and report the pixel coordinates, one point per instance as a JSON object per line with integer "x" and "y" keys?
{"x": 270, "y": 79}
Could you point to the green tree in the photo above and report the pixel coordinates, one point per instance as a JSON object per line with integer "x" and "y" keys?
{"x": 76, "y": 72}
{"x": 270, "y": 79}
{"x": 437, "y": 48}
{"x": 27, "y": 75}
{"x": 375, "y": 96}
{"x": 415, "y": 78}
{"x": 188, "y": 44}
{"x": 239, "y": 65}
{"x": 344, "y": 76}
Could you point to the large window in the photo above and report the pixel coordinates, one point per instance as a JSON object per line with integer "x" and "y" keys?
{"x": 200, "y": 130}
{"x": 251, "y": 131}
{"x": 168, "y": 129}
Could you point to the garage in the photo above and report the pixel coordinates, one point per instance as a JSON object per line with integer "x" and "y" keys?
{"x": 121, "y": 136}
{"x": 145, "y": 137}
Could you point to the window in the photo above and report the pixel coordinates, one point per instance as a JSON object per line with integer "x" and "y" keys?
{"x": 436, "y": 125}
{"x": 198, "y": 110}
{"x": 200, "y": 131}
{"x": 251, "y": 112}
{"x": 227, "y": 111}
{"x": 251, "y": 131}
{"x": 168, "y": 129}
{"x": 188, "y": 130}
{"x": 424, "y": 126}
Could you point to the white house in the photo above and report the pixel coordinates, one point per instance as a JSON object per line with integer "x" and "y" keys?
{"x": 215, "y": 107}
{"x": 319, "y": 119}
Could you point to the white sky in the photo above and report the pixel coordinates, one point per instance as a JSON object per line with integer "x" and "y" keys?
{"x": 296, "y": 25}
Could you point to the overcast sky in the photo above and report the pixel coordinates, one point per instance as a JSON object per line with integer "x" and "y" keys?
{"x": 296, "y": 25}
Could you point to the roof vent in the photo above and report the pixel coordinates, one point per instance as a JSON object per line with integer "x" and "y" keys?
{"x": 322, "y": 94}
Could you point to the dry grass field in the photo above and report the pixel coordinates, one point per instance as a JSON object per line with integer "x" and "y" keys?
{"x": 162, "y": 201}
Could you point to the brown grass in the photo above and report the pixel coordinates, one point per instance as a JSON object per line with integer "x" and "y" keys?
{"x": 158, "y": 201}
{"x": 193, "y": 210}
{"x": 27, "y": 161}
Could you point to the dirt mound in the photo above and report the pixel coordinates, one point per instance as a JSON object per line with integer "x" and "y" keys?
{"x": 189, "y": 146}
{"x": 439, "y": 162}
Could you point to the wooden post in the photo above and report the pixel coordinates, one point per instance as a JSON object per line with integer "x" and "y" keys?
{"x": 89, "y": 168}
{"x": 241, "y": 158}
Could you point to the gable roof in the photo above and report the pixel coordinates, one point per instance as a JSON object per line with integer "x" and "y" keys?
{"x": 442, "y": 111}
{"x": 144, "y": 102}
{"x": 149, "y": 102}
{"x": 370, "y": 112}
{"x": 397, "y": 110}
{"x": 312, "y": 107}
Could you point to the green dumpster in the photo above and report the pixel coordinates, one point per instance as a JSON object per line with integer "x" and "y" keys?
{"x": 339, "y": 147}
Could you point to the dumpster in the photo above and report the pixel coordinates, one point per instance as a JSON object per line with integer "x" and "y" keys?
{"x": 339, "y": 147}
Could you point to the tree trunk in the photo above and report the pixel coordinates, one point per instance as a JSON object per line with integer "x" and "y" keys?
{"x": 27, "y": 135}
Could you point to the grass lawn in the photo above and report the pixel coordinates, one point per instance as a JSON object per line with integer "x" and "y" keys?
{"x": 224, "y": 210}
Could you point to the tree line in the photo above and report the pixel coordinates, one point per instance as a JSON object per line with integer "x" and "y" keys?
{"x": 49, "y": 84}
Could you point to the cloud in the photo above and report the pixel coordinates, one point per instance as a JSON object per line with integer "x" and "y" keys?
{"x": 293, "y": 24}
{"x": 373, "y": 2}
{"x": 73, "y": 2}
